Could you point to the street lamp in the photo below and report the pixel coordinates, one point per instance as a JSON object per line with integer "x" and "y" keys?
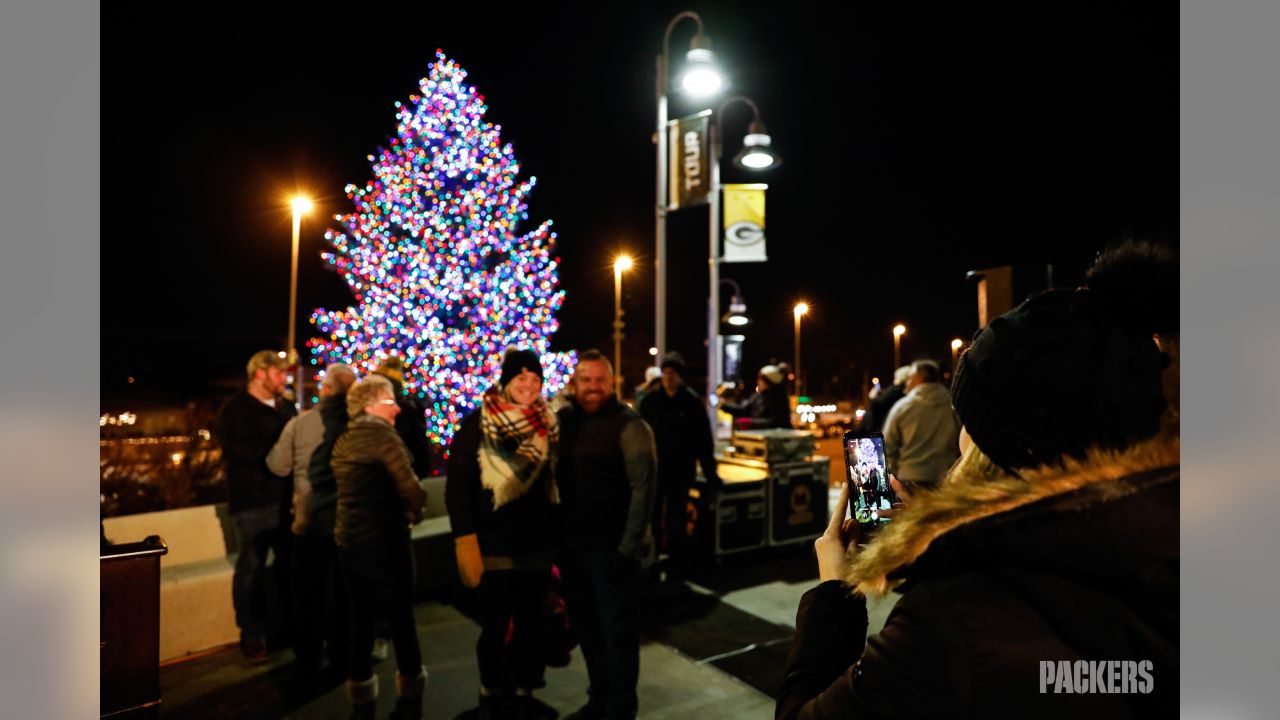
{"x": 753, "y": 156}
{"x": 737, "y": 315}
{"x": 898, "y": 331}
{"x": 800, "y": 310}
{"x": 301, "y": 205}
{"x": 955, "y": 353}
{"x": 620, "y": 265}
{"x": 699, "y": 79}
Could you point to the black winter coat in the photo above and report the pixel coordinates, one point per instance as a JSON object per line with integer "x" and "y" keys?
{"x": 682, "y": 432}
{"x": 411, "y": 424}
{"x": 246, "y": 429}
{"x": 607, "y": 478}
{"x": 1088, "y": 573}
{"x": 768, "y": 409}
{"x": 379, "y": 496}
{"x": 322, "y": 502}
{"x": 524, "y": 526}
{"x": 880, "y": 406}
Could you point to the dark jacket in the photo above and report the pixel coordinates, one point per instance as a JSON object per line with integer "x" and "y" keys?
{"x": 606, "y": 476}
{"x": 1085, "y": 569}
{"x": 682, "y": 432}
{"x": 322, "y": 503}
{"x": 411, "y": 424}
{"x": 378, "y": 494}
{"x": 880, "y": 405}
{"x": 524, "y": 526}
{"x": 246, "y": 429}
{"x": 768, "y": 409}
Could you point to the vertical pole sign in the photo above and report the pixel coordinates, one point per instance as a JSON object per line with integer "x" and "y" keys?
{"x": 690, "y": 165}
{"x": 744, "y": 223}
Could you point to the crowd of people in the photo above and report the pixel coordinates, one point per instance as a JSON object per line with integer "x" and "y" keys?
{"x": 539, "y": 494}
{"x": 1040, "y": 517}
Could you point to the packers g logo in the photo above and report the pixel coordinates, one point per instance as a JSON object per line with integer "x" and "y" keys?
{"x": 744, "y": 233}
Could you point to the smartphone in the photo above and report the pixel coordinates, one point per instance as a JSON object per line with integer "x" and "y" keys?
{"x": 867, "y": 477}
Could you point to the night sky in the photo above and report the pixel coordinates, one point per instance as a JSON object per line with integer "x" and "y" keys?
{"x": 918, "y": 143}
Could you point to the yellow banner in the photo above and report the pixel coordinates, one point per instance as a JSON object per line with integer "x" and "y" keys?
{"x": 744, "y": 223}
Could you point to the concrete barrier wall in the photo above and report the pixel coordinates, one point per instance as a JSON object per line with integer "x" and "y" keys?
{"x": 196, "y": 613}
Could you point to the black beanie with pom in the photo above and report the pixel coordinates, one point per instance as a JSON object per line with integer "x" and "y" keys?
{"x": 517, "y": 361}
{"x": 1064, "y": 372}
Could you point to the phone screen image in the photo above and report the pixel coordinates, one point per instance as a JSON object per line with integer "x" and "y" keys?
{"x": 868, "y": 478}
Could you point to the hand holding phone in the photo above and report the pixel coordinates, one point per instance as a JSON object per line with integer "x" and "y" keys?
{"x": 832, "y": 548}
{"x": 867, "y": 479}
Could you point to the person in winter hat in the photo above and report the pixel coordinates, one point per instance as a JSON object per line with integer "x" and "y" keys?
{"x": 682, "y": 432}
{"x": 1047, "y": 557}
{"x": 503, "y": 506}
{"x": 769, "y": 406}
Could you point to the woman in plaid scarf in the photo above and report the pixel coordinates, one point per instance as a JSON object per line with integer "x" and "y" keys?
{"x": 503, "y": 503}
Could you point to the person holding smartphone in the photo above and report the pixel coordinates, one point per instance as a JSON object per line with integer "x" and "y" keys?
{"x": 1053, "y": 540}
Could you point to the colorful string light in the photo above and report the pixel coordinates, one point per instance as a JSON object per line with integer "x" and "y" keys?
{"x": 431, "y": 255}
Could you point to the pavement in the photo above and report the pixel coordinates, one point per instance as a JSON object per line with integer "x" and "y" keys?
{"x": 713, "y": 646}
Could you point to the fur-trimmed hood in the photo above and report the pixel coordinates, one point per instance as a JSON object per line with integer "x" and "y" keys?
{"x": 963, "y": 500}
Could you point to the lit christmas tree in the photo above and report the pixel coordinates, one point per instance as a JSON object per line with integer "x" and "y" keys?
{"x": 432, "y": 256}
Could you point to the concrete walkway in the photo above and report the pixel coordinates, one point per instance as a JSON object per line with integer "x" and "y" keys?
{"x": 223, "y": 685}
{"x": 712, "y": 647}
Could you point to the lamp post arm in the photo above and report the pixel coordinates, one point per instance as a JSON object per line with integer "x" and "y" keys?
{"x": 755, "y": 109}
{"x": 664, "y": 58}
{"x": 737, "y": 291}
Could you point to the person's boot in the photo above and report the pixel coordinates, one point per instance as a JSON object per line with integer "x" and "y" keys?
{"x": 490, "y": 707}
{"x": 409, "y": 696}
{"x": 528, "y": 707}
{"x": 364, "y": 697}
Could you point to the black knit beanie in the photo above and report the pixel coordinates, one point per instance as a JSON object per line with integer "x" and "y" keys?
{"x": 675, "y": 361}
{"x": 1060, "y": 374}
{"x": 516, "y": 361}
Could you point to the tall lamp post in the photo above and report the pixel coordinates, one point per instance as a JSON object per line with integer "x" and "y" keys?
{"x": 756, "y": 154}
{"x": 799, "y": 311}
{"x": 621, "y": 265}
{"x": 898, "y": 331}
{"x": 700, "y": 78}
{"x": 301, "y": 205}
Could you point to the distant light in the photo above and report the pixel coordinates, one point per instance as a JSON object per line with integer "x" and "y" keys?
{"x": 860, "y": 413}
{"x": 899, "y": 330}
{"x": 131, "y": 379}
{"x": 757, "y": 160}
{"x": 653, "y": 351}
{"x": 957, "y": 344}
{"x": 737, "y": 315}
{"x": 301, "y": 205}
{"x": 801, "y": 309}
{"x": 757, "y": 153}
{"x": 622, "y": 264}
{"x": 875, "y": 381}
{"x": 177, "y": 458}
{"x": 701, "y": 77}
{"x": 281, "y": 354}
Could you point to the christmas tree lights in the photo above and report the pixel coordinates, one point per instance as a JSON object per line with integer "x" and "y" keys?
{"x": 432, "y": 256}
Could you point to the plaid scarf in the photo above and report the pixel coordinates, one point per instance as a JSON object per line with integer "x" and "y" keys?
{"x": 517, "y": 442}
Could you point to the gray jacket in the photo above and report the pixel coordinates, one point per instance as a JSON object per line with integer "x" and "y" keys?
{"x": 922, "y": 434}
{"x": 291, "y": 454}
